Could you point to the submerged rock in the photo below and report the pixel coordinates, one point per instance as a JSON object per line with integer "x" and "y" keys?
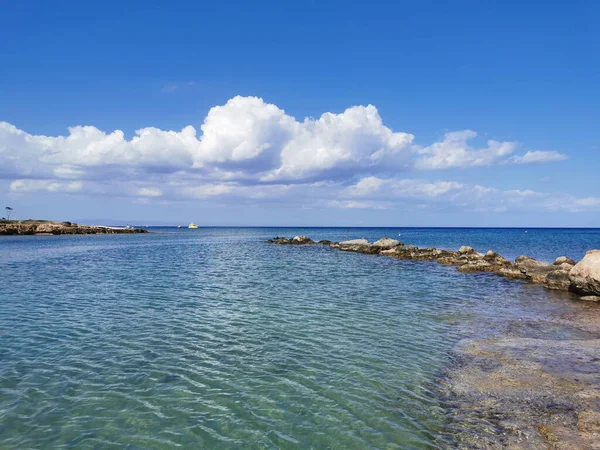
{"x": 585, "y": 275}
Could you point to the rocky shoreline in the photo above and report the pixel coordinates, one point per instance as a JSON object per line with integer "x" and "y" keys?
{"x": 45, "y": 228}
{"x": 534, "y": 381}
{"x": 581, "y": 278}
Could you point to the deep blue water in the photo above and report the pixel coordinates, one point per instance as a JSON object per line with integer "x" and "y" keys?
{"x": 211, "y": 338}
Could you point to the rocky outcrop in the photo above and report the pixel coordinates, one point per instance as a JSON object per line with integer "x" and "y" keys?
{"x": 386, "y": 243}
{"x": 296, "y": 240}
{"x": 535, "y": 270}
{"x": 358, "y": 245}
{"x": 585, "y": 275}
{"x": 582, "y": 278}
{"x": 36, "y": 227}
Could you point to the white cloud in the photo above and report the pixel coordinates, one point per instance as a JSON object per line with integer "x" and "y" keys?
{"x": 454, "y": 151}
{"x": 251, "y": 149}
{"x": 18, "y": 186}
{"x": 150, "y": 192}
{"x": 537, "y": 156}
{"x": 248, "y": 139}
{"x": 466, "y": 197}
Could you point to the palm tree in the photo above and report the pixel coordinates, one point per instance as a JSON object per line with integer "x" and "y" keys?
{"x": 8, "y": 212}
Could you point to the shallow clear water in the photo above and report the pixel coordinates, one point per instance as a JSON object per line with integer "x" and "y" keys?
{"x": 211, "y": 338}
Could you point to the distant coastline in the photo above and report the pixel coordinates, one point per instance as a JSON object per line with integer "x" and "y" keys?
{"x": 47, "y": 227}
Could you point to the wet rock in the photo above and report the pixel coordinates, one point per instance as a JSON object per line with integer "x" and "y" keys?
{"x": 386, "y": 243}
{"x": 477, "y": 266}
{"x": 558, "y": 279}
{"x": 324, "y": 242}
{"x": 297, "y": 240}
{"x": 357, "y": 245}
{"x": 301, "y": 240}
{"x": 563, "y": 259}
{"x": 585, "y": 275}
{"x": 590, "y": 298}
{"x": 535, "y": 270}
{"x": 511, "y": 271}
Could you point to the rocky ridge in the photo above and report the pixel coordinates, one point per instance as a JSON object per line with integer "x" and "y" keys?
{"x": 38, "y": 227}
{"x": 582, "y": 278}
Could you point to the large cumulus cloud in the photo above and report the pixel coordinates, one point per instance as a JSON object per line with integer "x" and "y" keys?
{"x": 251, "y": 149}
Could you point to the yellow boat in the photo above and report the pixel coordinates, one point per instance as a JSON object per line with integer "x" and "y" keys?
{"x": 192, "y": 225}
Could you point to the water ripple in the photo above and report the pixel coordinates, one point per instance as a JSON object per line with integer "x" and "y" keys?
{"x": 218, "y": 340}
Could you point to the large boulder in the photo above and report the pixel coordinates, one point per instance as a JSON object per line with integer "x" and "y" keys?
{"x": 535, "y": 270}
{"x": 386, "y": 243}
{"x": 585, "y": 275}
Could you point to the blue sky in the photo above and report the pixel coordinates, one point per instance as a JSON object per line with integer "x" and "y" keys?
{"x": 482, "y": 113}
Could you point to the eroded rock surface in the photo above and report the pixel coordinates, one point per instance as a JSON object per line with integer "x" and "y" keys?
{"x": 585, "y": 275}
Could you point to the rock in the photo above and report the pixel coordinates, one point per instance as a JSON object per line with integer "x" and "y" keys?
{"x": 296, "y": 240}
{"x": 558, "y": 279}
{"x": 535, "y": 270}
{"x": 590, "y": 298}
{"x": 472, "y": 262}
{"x": 563, "y": 259}
{"x": 324, "y": 242}
{"x": 358, "y": 245}
{"x": 301, "y": 240}
{"x": 386, "y": 243}
{"x": 51, "y": 228}
{"x": 511, "y": 271}
{"x": 479, "y": 266}
{"x": 585, "y": 275}
{"x": 466, "y": 249}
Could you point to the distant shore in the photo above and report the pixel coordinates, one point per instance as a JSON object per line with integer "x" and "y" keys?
{"x": 47, "y": 227}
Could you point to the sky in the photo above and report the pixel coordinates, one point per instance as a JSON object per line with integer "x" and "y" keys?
{"x": 313, "y": 113}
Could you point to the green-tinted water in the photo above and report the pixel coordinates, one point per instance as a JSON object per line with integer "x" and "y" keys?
{"x": 214, "y": 339}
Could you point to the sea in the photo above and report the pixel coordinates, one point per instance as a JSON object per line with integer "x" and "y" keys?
{"x": 212, "y": 338}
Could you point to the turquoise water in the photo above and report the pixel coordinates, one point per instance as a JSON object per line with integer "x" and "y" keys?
{"x": 211, "y": 338}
